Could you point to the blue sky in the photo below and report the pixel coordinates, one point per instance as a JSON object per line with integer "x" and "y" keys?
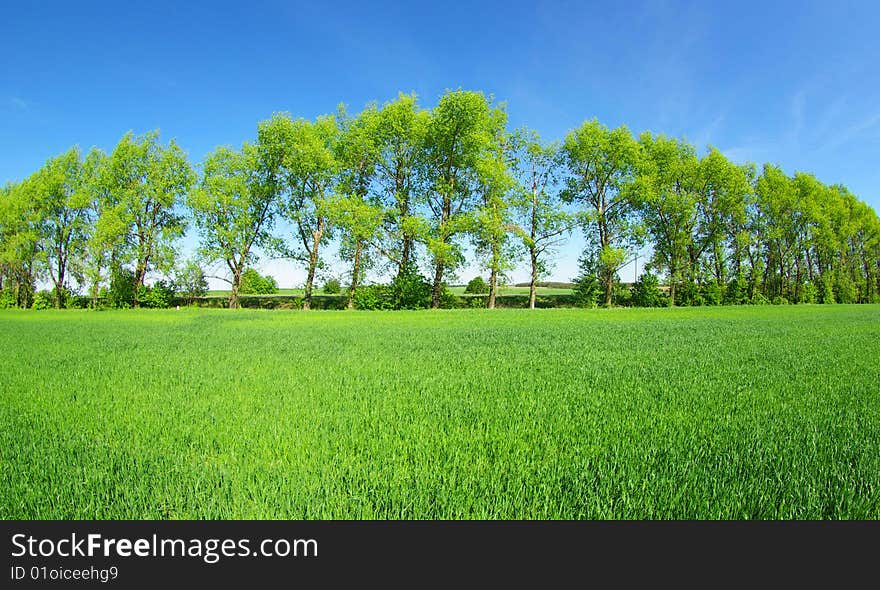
{"x": 794, "y": 83}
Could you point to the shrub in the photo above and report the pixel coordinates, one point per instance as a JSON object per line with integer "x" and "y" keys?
{"x": 253, "y": 283}
{"x": 779, "y": 300}
{"x": 587, "y": 290}
{"x": 622, "y": 295}
{"x": 372, "y": 297}
{"x": 332, "y": 287}
{"x": 159, "y": 295}
{"x": 43, "y": 300}
{"x": 7, "y": 299}
{"x": 809, "y": 293}
{"x": 121, "y": 292}
{"x": 477, "y": 286}
{"x": 688, "y": 294}
{"x": 190, "y": 282}
{"x": 845, "y": 289}
{"x": 77, "y": 302}
{"x": 476, "y": 302}
{"x": 736, "y": 292}
{"x": 712, "y": 293}
{"x": 646, "y": 291}
{"x": 759, "y": 299}
{"x": 826, "y": 289}
{"x": 410, "y": 290}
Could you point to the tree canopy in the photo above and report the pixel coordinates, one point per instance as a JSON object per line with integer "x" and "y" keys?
{"x": 409, "y": 191}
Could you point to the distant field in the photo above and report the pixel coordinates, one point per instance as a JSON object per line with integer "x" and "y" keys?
{"x": 754, "y": 412}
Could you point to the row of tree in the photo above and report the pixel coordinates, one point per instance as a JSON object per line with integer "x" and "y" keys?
{"x": 407, "y": 188}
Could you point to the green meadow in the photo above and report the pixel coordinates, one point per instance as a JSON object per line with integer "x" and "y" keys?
{"x": 747, "y": 412}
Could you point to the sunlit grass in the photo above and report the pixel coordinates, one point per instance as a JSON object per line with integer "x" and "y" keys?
{"x": 756, "y": 412}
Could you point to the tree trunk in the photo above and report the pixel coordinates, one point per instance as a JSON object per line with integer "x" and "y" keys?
{"x": 608, "y": 279}
{"x": 672, "y": 286}
{"x": 355, "y": 273}
{"x": 313, "y": 264}
{"x": 493, "y": 276}
{"x": 405, "y": 254}
{"x": 407, "y": 240}
{"x": 139, "y": 277}
{"x": 236, "y": 284}
{"x": 59, "y": 288}
{"x": 719, "y": 264}
{"x": 533, "y": 284}
{"x": 606, "y": 275}
{"x": 438, "y": 281}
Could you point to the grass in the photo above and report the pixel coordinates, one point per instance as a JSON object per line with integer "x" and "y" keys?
{"x": 759, "y": 412}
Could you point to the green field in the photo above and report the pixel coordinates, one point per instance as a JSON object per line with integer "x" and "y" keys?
{"x": 753, "y": 412}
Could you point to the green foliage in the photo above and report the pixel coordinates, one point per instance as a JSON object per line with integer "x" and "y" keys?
{"x": 759, "y": 299}
{"x": 234, "y": 207}
{"x": 737, "y": 292}
{"x": 7, "y": 299}
{"x": 410, "y": 290}
{"x": 809, "y": 293}
{"x": 396, "y": 182}
{"x": 587, "y": 290}
{"x": 448, "y": 299}
{"x": 826, "y": 289}
{"x": 646, "y": 291}
{"x": 332, "y": 286}
{"x": 622, "y": 295}
{"x": 712, "y": 293}
{"x": 253, "y": 283}
{"x": 122, "y": 288}
{"x": 147, "y": 182}
{"x": 600, "y": 166}
{"x": 845, "y": 289}
{"x": 476, "y": 302}
{"x": 43, "y": 300}
{"x": 157, "y": 296}
{"x": 373, "y": 297}
{"x": 190, "y": 281}
{"x": 477, "y": 286}
{"x": 689, "y": 294}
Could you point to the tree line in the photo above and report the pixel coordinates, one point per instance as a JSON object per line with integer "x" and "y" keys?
{"x": 407, "y": 189}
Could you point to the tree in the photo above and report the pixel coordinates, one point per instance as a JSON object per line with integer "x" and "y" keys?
{"x": 494, "y": 214}
{"x": 399, "y": 136}
{"x": 460, "y": 134}
{"x": 476, "y": 286}
{"x": 147, "y": 183}
{"x": 301, "y": 166}
{"x": 64, "y": 214}
{"x": 777, "y": 200}
{"x": 667, "y": 191}
{"x": 600, "y": 165}
{"x": 253, "y": 283}
{"x": 358, "y": 216}
{"x": 543, "y": 223}
{"x": 190, "y": 281}
{"x": 721, "y": 207}
{"x": 19, "y": 241}
{"x": 646, "y": 291}
{"x": 105, "y": 245}
{"x": 587, "y": 287}
{"x": 234, "y": 211}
